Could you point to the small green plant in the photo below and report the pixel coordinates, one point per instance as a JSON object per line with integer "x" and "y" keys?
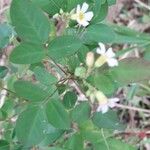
{"x": 61, "y": 80}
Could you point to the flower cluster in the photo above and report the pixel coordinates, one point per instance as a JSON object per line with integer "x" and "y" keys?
{"x": 105, "y": 56}
{"x": 80, "y": 14}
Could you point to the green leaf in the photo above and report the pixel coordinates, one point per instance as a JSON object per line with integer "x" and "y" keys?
{"x": 103, "y": 82}
{"x": 57, "y": 115}
{"x": 100, "y": 11}
{"x": 27, "y": 53}
{"x": 111, "y": 2}
{"x": 3, "y": 71}
{"x": 44, "y": 76}
{"x": 63, "y": 46}
{"x": 93, "y": 136}
{"x": 83, "y": 110}
{"x": 108, "y": 120}
{"x": 74, "y": 141}
{"x": 29, "y": 21}
{"x": 30, "y": 126}
{"x": 113, "y": 144}
{"x": 51, "y": 6}
{"x": 127, "y": 35}
{"x": 69, "y": 100}
{"x": 4, "y": 145}
{"x": 30, "y": 91}
{"x": 52, "y": 134}
{"x": 98, "y": 33}
{"x": 71, "y": 4}
{"x": 131, "y": 70}
{"x": 3, "y": 115}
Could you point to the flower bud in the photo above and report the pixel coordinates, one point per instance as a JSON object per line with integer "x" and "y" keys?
{"x": 90, "y": 59}
{"x": 100, "y": 61}
{"x": 101, "y": 98}
{"x": 80, "y": 72}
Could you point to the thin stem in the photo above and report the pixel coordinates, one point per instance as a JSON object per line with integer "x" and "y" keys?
{"x": 103, "y": 135}
{"x": 132, "y": 108}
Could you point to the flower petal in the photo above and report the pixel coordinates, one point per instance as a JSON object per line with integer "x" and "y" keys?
{"x": 83, "y": 22}
{"x": 78, "y": 9}
{"x": 112, "y": 62}
{"x": 102, "y": 48}
{"x": 89, "y": 15}
{"x": 85, "y": 7}
{"x": 110, "y": 53}
{"x": 112, "y": 102}
{"x": 104, "y": 109}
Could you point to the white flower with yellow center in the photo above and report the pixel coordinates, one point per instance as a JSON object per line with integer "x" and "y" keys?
{"x": 107, "y": 56}
{"x": 82, "y": 16}
{"x": 104, "y": 102}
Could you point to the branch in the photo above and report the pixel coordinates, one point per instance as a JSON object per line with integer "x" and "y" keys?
{"x": 132, "y": 108}
{"x": 142, "y": 4}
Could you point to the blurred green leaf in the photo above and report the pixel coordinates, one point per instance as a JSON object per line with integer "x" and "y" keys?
{"x": 103, "y": 82}
{"x": 51, "y": 6}
{"x": 4, "y": 145}
{"x": 81, "y": 112}
{"x": 51, "y": 134}
{"x": 74, "y": 141}
{"x": 147, "y": 54}
{"x": 98, "y": 33}
{"x": 27, "y": 53}
{"x": 107, "y": 120}
{"x": 113, "y": 144}
{"x": 111, "y": 2}
{"x": 100, "y": 10}
{"x": 30, "y": 91}
{"x": 131, "y": 70}
{"x": 127, "y": 35}
{"x": 44, "y": 76}
{"x": 63, "y": 46}
{"x": 30, "y": 126}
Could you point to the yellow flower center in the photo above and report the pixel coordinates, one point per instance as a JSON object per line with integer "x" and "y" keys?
{"x": 81, "y": 16}
{"x": 101, "y": 60}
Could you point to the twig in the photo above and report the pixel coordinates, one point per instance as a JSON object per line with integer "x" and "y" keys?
{"x": 132, "y": 108}
{"x": 142, "y": 4}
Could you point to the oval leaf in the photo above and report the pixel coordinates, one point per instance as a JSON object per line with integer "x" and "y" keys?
{"x": 30, "y": 126}
{"x": 30, "y": 22}
{"x": 57, "y": 115}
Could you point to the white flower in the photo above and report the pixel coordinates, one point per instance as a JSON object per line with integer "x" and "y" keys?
{"x": 106, "y": 56}
{"x": 104, "y": 102}
{"x": 82, "y": 16}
